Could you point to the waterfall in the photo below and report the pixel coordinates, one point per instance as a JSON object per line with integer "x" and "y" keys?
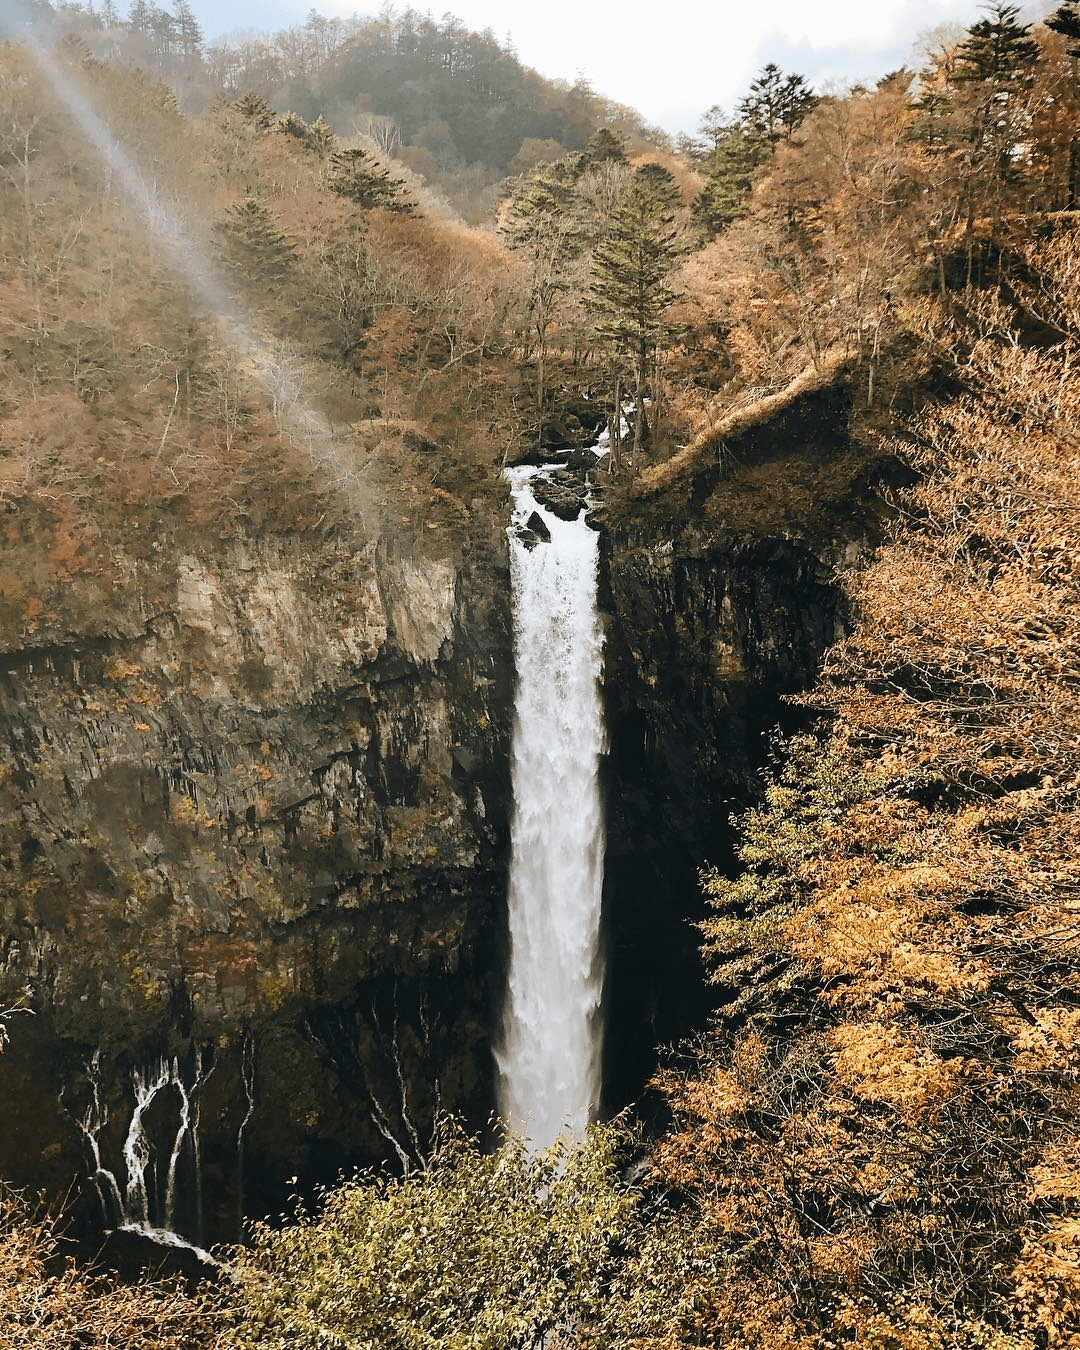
{"x": 549, "y": 1056}
{"x": 247, "y": 1077}
{"x": 147, "y": 1201}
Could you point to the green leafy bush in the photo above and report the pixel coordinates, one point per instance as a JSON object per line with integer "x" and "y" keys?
{"x": 477, "y": 1251}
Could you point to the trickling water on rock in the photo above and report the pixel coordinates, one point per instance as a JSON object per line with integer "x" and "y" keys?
{"x": 549, "y": 1056}
{"x": 146, "y": 1204}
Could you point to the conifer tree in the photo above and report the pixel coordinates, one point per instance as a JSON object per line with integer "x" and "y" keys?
{"x": 653, "y": 177}
{"x": 255, "y": 249}
{"x": 714, "y": 127}
{"x": 316, "y": 136}
{"x": 729, "y": 173}
{"x": 629, "y": 294}
{"x": 776, "y": 105}
{"x": 292, "y": 124}
{"x": 360, "y": 177}
{"x": 934, "y": 103}
{"x": 188, "y": 34}
{"x": 997, "y": 61}
{"x": 1066, "y": 21}
{"x": 163, "y": 29}
{"x": 603, "y": 145}
{"x": 140, "y": 16}
{"x": 543, "y": 226}
{"x": 999, "y": 50}
{"x": 255, "y": 110}
{"x": 320, "y": 137}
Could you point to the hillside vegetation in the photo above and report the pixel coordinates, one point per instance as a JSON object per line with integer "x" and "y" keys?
{"x": 318, "y": 357}
{"x": 876, "y": 1144}
{"x": 453, "y": 105}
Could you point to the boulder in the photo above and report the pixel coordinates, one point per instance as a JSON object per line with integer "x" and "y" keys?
{"x": 538, "y": 525}
{"x": 561, "y": 500}
{"x": 582, "y": 461}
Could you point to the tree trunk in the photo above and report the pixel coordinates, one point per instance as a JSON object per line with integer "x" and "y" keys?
{"x": 640, "y": 385}
{"x": 615, "y": 430}
{"x": 540, "y": 390}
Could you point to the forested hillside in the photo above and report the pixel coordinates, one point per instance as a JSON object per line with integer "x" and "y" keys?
{"x": 125, "y": 399}
{"x": 875, "y": 1141}
{"x": 456, "y": 106}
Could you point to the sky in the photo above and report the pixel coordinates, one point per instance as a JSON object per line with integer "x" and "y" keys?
{"x": 671, "y": 61}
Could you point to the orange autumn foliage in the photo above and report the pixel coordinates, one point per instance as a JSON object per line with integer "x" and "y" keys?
{"x": 879, "y": 1147}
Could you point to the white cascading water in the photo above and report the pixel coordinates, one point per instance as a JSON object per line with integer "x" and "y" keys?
{"x": 549, "y": 1057}
{"x": 139, "y": 1206}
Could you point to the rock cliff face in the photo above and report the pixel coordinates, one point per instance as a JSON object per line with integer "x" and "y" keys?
{"x": 706, "y": 632}
{"x": 720, "y": 599}
{"x": 253, "y": 820}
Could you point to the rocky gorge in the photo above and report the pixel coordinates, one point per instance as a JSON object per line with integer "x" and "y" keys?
{"x": 255, "y": 835}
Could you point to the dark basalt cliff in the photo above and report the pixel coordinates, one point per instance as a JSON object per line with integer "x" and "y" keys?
{"x": 721, "y": 597}
{"x": 260, "y": 830}
{"x": 706, "y": 632}
{"x": 254, "y": 822}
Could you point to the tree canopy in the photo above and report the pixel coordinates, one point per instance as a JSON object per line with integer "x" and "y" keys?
{"x": 874, "y": 1143}
{"x": 478, "y": 1250}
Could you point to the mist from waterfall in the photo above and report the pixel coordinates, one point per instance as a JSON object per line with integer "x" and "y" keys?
{"x": 548, "y": 1057}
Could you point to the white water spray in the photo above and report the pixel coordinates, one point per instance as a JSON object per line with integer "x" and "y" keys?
{"x": 549, "y": 1058}
{"x": 247, "y": 1077}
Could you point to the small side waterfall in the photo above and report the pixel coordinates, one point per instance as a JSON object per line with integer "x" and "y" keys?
{"x": 549, "y": 1056}
{"x": 147, "y": 1201}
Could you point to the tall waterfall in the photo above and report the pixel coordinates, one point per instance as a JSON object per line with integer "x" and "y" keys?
{"x": 549, "y": 1056}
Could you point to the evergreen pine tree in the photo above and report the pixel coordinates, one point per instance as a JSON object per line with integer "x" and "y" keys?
{"x": 998, "y": 51}
{"x": 1066, "y": 21}
{"x": 934, "y": 103}
{"x": 714, "y": 128}
{"x": 163, "y": 30}
{"x": 292, "y": 124}
{"x": 255, "y": 110}
{"x": 629, "y": 294}
{"x": 255, "y": 249}
{"x": 996, "y": 61}
{"x": 603, "y": 145}
{"x": 320, "y": 137}
{"x": 188, "y": 34}
{"x": 316, "y": 136}
{"x": 360, "y": 177}
{"x": 140, "y": 16}
{"x": 729, "y": 172}
{"x": 543, "y": 226}
{"x": 653, "y": 177}
{"x": 776, "y": 105}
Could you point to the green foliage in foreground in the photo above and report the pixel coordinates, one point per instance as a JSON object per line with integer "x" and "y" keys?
{"x": 475, "y": 1252}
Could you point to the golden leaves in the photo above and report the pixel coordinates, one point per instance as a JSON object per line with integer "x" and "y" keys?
{"x": 1047, "y": 1280}
{"x": 882, "y": 1063}
{"x": 897, "y": 1159}
{"x": 1049, "y": 1043}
